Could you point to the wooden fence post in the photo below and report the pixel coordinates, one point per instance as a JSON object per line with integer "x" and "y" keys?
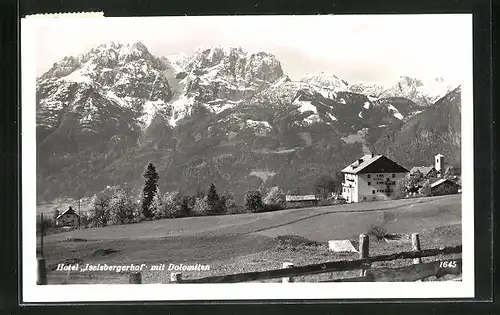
{"x": 135, "y": 278}
{"x": 175, "y": 277}
{"x": 415, "y": 243}
{"x": 287, "y": 279}
{"x": 364, "y": 250}
{"x": 42, "y": 231}
{"x": 41, "y": 274}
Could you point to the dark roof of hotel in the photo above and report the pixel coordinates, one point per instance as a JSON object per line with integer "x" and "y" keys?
{"x": 374, "y": 164}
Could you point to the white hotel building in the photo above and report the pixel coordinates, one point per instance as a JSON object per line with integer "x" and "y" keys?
{"x": 372, "y": 177}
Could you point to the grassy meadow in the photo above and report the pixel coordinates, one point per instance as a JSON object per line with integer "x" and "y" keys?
{"x": 253, "y": 241}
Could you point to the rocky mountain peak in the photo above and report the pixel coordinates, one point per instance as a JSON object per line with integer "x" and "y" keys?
{"x": 370, "y": 89}
{"x": 326, "y": 80}
{"x": 121, "y": 77}
{"x": 219, "y": 78}
{"x": 284, "y": 79}
{"x": 177, "y": 62}
{"x": 422, "y": 92}
{"x": 234, "y": 61}
{"x": 408, "y": 81}
{"x": 113, "y": 54}
{"x": 62, "y": 68}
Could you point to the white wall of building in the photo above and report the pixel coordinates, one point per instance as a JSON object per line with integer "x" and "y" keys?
{"x": 349, "y": 190}
{"x": 371, "y": 186}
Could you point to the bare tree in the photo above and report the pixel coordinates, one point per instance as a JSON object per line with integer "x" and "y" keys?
{"x": 325, "y": 184}
{"x": 100, "y": 214}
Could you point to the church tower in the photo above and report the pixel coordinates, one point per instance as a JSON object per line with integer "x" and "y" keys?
{"x": 439, "y": 163}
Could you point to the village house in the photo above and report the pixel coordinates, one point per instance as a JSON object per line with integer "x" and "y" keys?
{"x": 444, "y": 187}
{"x": 443, "y": 179}
{"x": 432, "y": 170}
{"x": 68, "y": 218}
{"x": 372, "y": 177}
{"x": 300, "y": 201}
{"x": 426, "y": 171}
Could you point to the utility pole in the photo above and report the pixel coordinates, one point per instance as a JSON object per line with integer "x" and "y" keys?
{"x": 41, "y": 269}
{"x": 79, "y": 214}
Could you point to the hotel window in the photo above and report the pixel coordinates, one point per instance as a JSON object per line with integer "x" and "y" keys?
{"x": 393, "y": 175}
{"x": 369, "y": 183}
{"x": 373, "y": 191}
{"x": 369, "y": 176}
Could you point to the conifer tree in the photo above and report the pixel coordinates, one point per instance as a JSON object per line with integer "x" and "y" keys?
{"x": 184, "y": 210}
{"x": 150, "y": 189}
{"x": 213, "y": 199}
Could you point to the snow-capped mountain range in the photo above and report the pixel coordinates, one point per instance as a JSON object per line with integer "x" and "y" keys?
{"x": 129, "y": 76}
{"x": 421, "y": 92}
{"x": 117, "y": 97}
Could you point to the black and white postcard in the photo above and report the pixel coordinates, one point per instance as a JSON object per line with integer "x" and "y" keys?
{"x": 247, "y": 157}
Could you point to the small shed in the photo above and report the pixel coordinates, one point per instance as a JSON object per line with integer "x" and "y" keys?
{"x": 444, "y": 187}
{"x": 292, "y": 201}
{"x": 68, "y": 218}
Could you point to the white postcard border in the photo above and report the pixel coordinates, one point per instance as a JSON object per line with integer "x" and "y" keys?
{"x": 240, "y": 291}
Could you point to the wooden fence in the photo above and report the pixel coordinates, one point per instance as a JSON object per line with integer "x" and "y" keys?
{"x": 414, "y": 272}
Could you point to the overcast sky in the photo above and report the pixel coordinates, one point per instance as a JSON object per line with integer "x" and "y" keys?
{"x": 357, "y": 48}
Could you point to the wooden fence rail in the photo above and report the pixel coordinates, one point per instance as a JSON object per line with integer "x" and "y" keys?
{"x": 409, "y": 273}
{"x": 322, "y": 267}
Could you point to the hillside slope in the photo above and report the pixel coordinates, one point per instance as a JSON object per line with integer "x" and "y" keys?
{"x": 435, "y": 130}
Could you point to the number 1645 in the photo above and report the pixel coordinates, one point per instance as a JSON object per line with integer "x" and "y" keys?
{"x": 448, "y": 264}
